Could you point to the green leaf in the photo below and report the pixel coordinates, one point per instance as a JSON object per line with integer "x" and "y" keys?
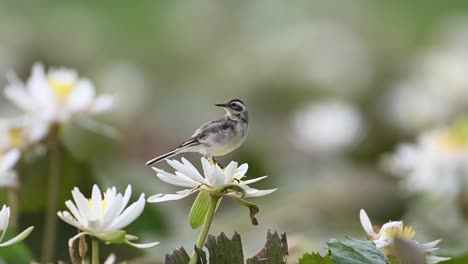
{"x": 315, "y": 258}
{"x": 199, "y": 209}
{"x": 178, "y": 256}
{"x": 224, "y": 250}
{"x": 275, "y": 250}
{"x": 353, "y": 251}
{"x": 117, "y": 237}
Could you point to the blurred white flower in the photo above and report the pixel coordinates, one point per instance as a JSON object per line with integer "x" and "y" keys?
{"x": 4, "y": 220}
{"x": 385, "y": 236}
{"x": 437, "y": 163}
{"x": 57, "y": 95}
{"x": 21, "y": 133}
{"x": 435, "y": 88}
{"x": 327, "y": 127}
{"x": 186, "y": 175}
{"x": 104, "y": 217}
{"x": 8, "y": 160}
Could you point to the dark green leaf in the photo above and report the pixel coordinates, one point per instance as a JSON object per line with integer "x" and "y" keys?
{"x": 315, "y": 258}
{"x": 353, "y": 251}
{"x": 275, "y": 250}
{"x": 199, "y": 209}
{"x": 224, "y": 250}
{"x": 178, "y": 256}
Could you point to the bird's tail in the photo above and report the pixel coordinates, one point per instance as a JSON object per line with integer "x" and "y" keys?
{"x": 164, "y": 156}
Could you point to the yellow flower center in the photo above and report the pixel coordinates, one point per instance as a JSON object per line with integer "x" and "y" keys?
{"x": 456, "y": 139}
{"x": 61, "y": 89}
{"x": 16, "y": 137}
{"x": 403, "y": 232}
{"x": 103, "y": 204}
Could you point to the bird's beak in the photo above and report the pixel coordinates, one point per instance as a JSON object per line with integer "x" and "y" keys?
{"x": 221, "y": 105}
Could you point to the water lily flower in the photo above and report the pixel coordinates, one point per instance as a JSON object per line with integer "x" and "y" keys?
{"x": 4, "y": 220}
{"x": 104, "y": 217}
{"x": 214, "y": 180}
{"x": 21, "y": 133}
{"x": 436, "y": 164}
{"x": 8, "y": 160}
{"x": 385, "y": 236}
{"x": 57, "y": 95}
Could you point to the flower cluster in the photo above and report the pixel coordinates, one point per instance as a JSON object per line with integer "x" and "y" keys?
{"x": 385, "y": 236}
{"x": 436, "y": 164}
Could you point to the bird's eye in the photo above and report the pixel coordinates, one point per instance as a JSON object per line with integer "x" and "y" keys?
{"x": 233, "y": 105}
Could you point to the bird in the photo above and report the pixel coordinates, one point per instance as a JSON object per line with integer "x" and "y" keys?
{"x": 218, "y": 137}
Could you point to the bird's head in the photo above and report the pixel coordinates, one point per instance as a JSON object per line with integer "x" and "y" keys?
{"x": 235, "y": 108}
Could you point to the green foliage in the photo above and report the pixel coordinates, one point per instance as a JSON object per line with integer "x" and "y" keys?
{"x": 178, "y": 256}
{"x": 315, "y": 258}
{"x": 353, "y": 251}
{"x": 225, "y": 250}
{"x": 199, "y": 209}
{"x": 275, "y": 250}
{"x": 116, "y": 237}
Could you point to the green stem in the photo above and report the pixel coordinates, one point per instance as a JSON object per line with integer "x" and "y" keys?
{"x": 206, "y": 226}
{"x": 95, "y": 251}
{"x": 13, "y": 202}
{"x": 50, "y": 230}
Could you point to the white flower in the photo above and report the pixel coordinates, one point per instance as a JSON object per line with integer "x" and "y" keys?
{"x": 8, "y": 160}
{"x": 104, "y": 217}
{"x": 186, "y": 175}
{"x": 327, "y": 127}
{"x": 384, "y": 238}
{"x": 21, "y": 133}
{"x": 4, "y": 220}
{"x": 437, "y": 163}
{"x": 57, "y": 95}
{"x": 435, "y": 88}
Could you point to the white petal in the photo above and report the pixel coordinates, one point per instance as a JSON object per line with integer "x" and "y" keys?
{"x": 242, "y": 170}
{"x": 20, "y": 98}
{"x": 102, "y": 103}
{"x": 257, "y": 193}
{"x": 381, "y": 243}
{"x": 82, "y": 96}
{"x": 97, "y": 127}
{"x": 431, "y": 246}
{"x": 96, "y": 198}
{"x": 229, "y": 172}
{"x": 366, "y": 224}
{"x": 175, "y": 180}
{"x": 208, "y": 170}
{"x": 72, "y": 207}
{"x": 129, "y": 215}
{"x": 113, "y": 210}
{"x": 19, "y": 237}
{"x": 9, "y": 160}
{"x": 146, "y": 245}
{"x": 67, "y": 218}
{"x": 157, "y": 198}
{"x": 435, "y": 259}
{"x": 187, "y": 169}
{"x": 254, "y": 180}
{"x": 110, "y": 259}
{"x": 4, "y": 219}
{"x": 82, "y": 205}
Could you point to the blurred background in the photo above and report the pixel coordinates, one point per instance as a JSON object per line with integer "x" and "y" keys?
{"x": 331, "y": 88}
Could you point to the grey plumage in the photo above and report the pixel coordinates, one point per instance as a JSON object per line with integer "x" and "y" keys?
{"x": 218, "y": 137}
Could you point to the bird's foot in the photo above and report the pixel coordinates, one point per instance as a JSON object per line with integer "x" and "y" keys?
{"x": 214, "y": 162}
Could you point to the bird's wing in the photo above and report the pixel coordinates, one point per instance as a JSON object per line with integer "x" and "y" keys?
{"x": 202, "y": 132}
